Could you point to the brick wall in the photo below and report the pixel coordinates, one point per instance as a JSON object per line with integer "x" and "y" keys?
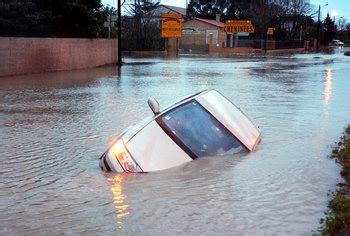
{"x": 35, "y": 55}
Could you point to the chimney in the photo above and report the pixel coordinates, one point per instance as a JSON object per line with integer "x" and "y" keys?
{"x": 217, "y": 17}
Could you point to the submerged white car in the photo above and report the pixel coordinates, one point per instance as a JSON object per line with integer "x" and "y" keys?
{"x": 336, "y": 43}
{"x": 204, "y": 124}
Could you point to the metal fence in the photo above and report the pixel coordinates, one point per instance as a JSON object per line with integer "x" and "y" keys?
{"x": 197, "y": 44}
{"x": 271, "y": 44}
{"x": 248, "y": 43}
{"x": 288, "y": 44}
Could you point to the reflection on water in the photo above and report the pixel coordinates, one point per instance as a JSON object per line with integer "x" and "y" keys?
{"x": 119, "y": 199}
{"x": 328, "y": 86}
{"x": 54, "y": 126}
{"x": 204, "y": 85}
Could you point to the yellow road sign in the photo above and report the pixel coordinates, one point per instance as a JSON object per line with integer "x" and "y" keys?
{"x": 236, "y": 26}
{"x": 270, "y": 31}
{"x": 171, "y": 25}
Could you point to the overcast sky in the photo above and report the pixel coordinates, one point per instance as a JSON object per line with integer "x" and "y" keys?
{"x": 337, "y": 8}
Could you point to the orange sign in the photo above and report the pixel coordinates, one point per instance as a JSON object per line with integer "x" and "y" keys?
{"x": 171, "y": 25}
{"x": 270, "y": 31}
{"x": 236, "y": 26}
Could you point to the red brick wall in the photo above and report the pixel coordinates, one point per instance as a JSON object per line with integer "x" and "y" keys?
{"x": 35, "y": 55}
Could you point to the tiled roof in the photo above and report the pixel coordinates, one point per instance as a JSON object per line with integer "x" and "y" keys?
{"x": 179, "y": 10}
{"x": 161, "y": 9}
{"x": 212, "y": 22}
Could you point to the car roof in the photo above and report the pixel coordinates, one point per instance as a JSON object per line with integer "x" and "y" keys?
{"x": 249, "y": 134}
{"x": 133, "y": 130}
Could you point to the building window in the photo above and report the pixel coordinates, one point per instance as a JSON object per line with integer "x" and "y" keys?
{"x": 215, "y": 34}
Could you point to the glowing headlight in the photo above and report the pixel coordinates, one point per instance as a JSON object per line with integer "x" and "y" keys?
{"x": 124, "y": 158}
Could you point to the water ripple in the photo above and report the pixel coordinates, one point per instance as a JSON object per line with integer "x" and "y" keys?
{"x": 55, "y": 126}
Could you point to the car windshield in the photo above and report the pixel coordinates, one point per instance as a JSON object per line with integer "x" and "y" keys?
{"x": 196, "y": 131}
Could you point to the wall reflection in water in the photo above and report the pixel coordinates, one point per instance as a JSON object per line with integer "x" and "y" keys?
{"x": 119, "y": 199}
{"x": 328, "y": 86}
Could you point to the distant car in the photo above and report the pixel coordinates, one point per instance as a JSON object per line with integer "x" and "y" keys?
{"x": 336, "y": 43}
{"x": 204, "y": 124}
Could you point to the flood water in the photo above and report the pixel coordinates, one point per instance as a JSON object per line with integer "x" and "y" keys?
{"x": 54, "y": 127}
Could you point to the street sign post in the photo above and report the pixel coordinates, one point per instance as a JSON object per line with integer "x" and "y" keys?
{"x": 236, "y": 26}
{"x": 171, "y": 25}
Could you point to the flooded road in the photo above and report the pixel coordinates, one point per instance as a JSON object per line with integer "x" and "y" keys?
{"x": 55, "y": 126}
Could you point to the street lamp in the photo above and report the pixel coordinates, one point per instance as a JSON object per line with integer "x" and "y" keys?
{"x": 266, "y": 25}
{"x": 339, "y": 23}
{"x": 318, "y": 26}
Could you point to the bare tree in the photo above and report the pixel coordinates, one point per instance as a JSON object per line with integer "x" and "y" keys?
{"x": 141, "y": 26}
{"x": 297, "y": 10}
{"x": 288, "y": 17}
{"x": 341, "y": 24}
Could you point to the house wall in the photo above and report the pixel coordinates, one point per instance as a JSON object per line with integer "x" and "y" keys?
{"x": 35, "y": 55}
{"x": 199, "y": 24}
{"x": 197, "y": 42}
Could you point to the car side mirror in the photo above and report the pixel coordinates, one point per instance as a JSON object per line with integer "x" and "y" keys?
{"x": 154, "y": 105}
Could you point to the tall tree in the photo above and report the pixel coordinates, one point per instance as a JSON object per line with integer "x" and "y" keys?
{"x": 140, "y": 30}
{"x": 288, "y": 17}
{"x": 294, "y": 16}
{"x": 341, "y": 24}
{"x": 24, "y": 18}
{"x": 43, "y": 18}
{"x": 329, "y": 29}
{"x": 207, "y": 9}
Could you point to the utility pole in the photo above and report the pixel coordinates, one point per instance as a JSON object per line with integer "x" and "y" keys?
{"x": 266, "y": 25}
{"x": 109, "y": 26}
{"x": 339, "y": 23}
{"x": 119, "y": 33}
{"x": 318, "y": 27}
{"x": 187, "y": 14}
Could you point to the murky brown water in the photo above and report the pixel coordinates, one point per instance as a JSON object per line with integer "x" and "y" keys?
{"x": 55, "y": 126}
